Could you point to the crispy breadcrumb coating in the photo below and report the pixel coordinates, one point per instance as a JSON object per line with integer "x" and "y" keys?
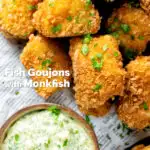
{"x": 98, "y": 73}
{"x": 134, "y": 106}
{"x": 41, "y": 53}
{"x": 145, "y": 4}
{"x": 131, "y": 26}
{"x": 65, "y": 18}
{"x": 141, "y": 147}
{"x": 16, "y": 17}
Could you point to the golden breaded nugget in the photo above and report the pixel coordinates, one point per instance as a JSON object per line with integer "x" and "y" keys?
{"x": 16, "y": 17}
{"x": 134, "y": 106}
{"x": 131, "y": 26}
{"x": 98, "y": 72}
{"x": 41, "y": 54}
{"x": 141, "y": 147}
{"x": 65, "y": 18}
{"x": 145, "y": 4}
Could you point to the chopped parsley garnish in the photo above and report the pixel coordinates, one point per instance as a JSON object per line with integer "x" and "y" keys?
{"x": 46, "y": 63}
{"x": 121, "y": 136}
{"x": 116, "y": 54}
{"x": 109, "y": 30}
{"x": 85, "y": 49}
{"x": 16, "y": 137}
{"x": 26, "y": 34}
{"x": 145, "y": 106}
{"x": 39, "y": 58}
{"x": 88, "y": 120}
{"x": 56, "y": 29}
{"x": 97, "y": 87}
{"x": 99, "y": 55}
{"x": 116, "y": 19}
{"x": 115, "y": 34}
{"x": 55, "y": 111}
{"x": 125, "y": 28}
{"x": 47, "y": 144}
{"x": 95, "y": 45}
{"x": 88, "y": 3}
{"x": 105, "y": 47}
{"x": 92, "y": 14}
{"x": 17, "y": 93}
{"x": 141, "y": 37}
{"x": 65, "y": 142}
{"x": 32, "y": 7}
{"x": 124, "y": 127}
{"x": 77, "y": 19}
{"x": 113, "y": 26}
{"x": 89, "y": 23}
{"x": 96, "y": 64}
{"x": 51, "y": 4}
{"x": 126, "y": 143}
{"x": 87, "y": 38}
{"x": 69, "y": 18}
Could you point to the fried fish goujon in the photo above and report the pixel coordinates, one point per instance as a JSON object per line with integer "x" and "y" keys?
{"x": 98, "y": 73}
{"x": 134, "y": 106}
{"x": 131, "y": 26}
{"x": 16, "y": 17}
{"x": 41, "y": 54}
{"x": 141, "y": 147}
{"x": 65, "y": 18}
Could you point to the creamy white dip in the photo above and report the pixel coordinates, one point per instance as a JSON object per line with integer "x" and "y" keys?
{"x": 47, "y": 130}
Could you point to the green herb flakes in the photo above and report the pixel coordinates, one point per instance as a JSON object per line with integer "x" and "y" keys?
{"x": 141, "y": 37}
{"x": 116, "y": 54}
{"x": 17, "y": 137}
{"x": 69, "y": 18}
{"x": 87, "y": 38}
{"x": 46, "y": 63}
{"x": 17, "y": 93}
{"x": 88, "y": 3}
{"x": 56, "y": 29}
{"x": 105, "y": 47}
{"x": 51, "y": 4}
{"x": 116, "y": 19}
{"x": 92, "y": 14}
{"x": 47, "y": 144}
{"x": 97, "y": 87}
{"x": 125, "y": 28}
{"x": 55, "y": 111}
{"x": 95, "y": 45}
{"x": 145, "y": 106}
{"x": 115, "y": 34}
{"x": 32, "y": 7}
{"x": 99, "y": 55}
{"x": 85, "y": 49}
{"x": 97, "y": 64}
{"x": 65, "y": 143}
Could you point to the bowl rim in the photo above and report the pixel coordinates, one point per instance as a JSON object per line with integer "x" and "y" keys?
{"x": 43, "y": 106}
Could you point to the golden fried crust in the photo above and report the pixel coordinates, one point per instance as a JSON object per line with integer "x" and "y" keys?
{"x": 134, "y": 107}
{"x": 40, "y": 49}
{"x": 141, "y": 147}
{"x": 110, "y": 77}
{"x": 145, "y": 4}
{"x": 65, "y": 18}
{"x": 16, "y": 17}
{"x": 136, "y": 24}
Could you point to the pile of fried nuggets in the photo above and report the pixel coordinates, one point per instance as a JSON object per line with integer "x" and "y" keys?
{"x": 97, "y": 63}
